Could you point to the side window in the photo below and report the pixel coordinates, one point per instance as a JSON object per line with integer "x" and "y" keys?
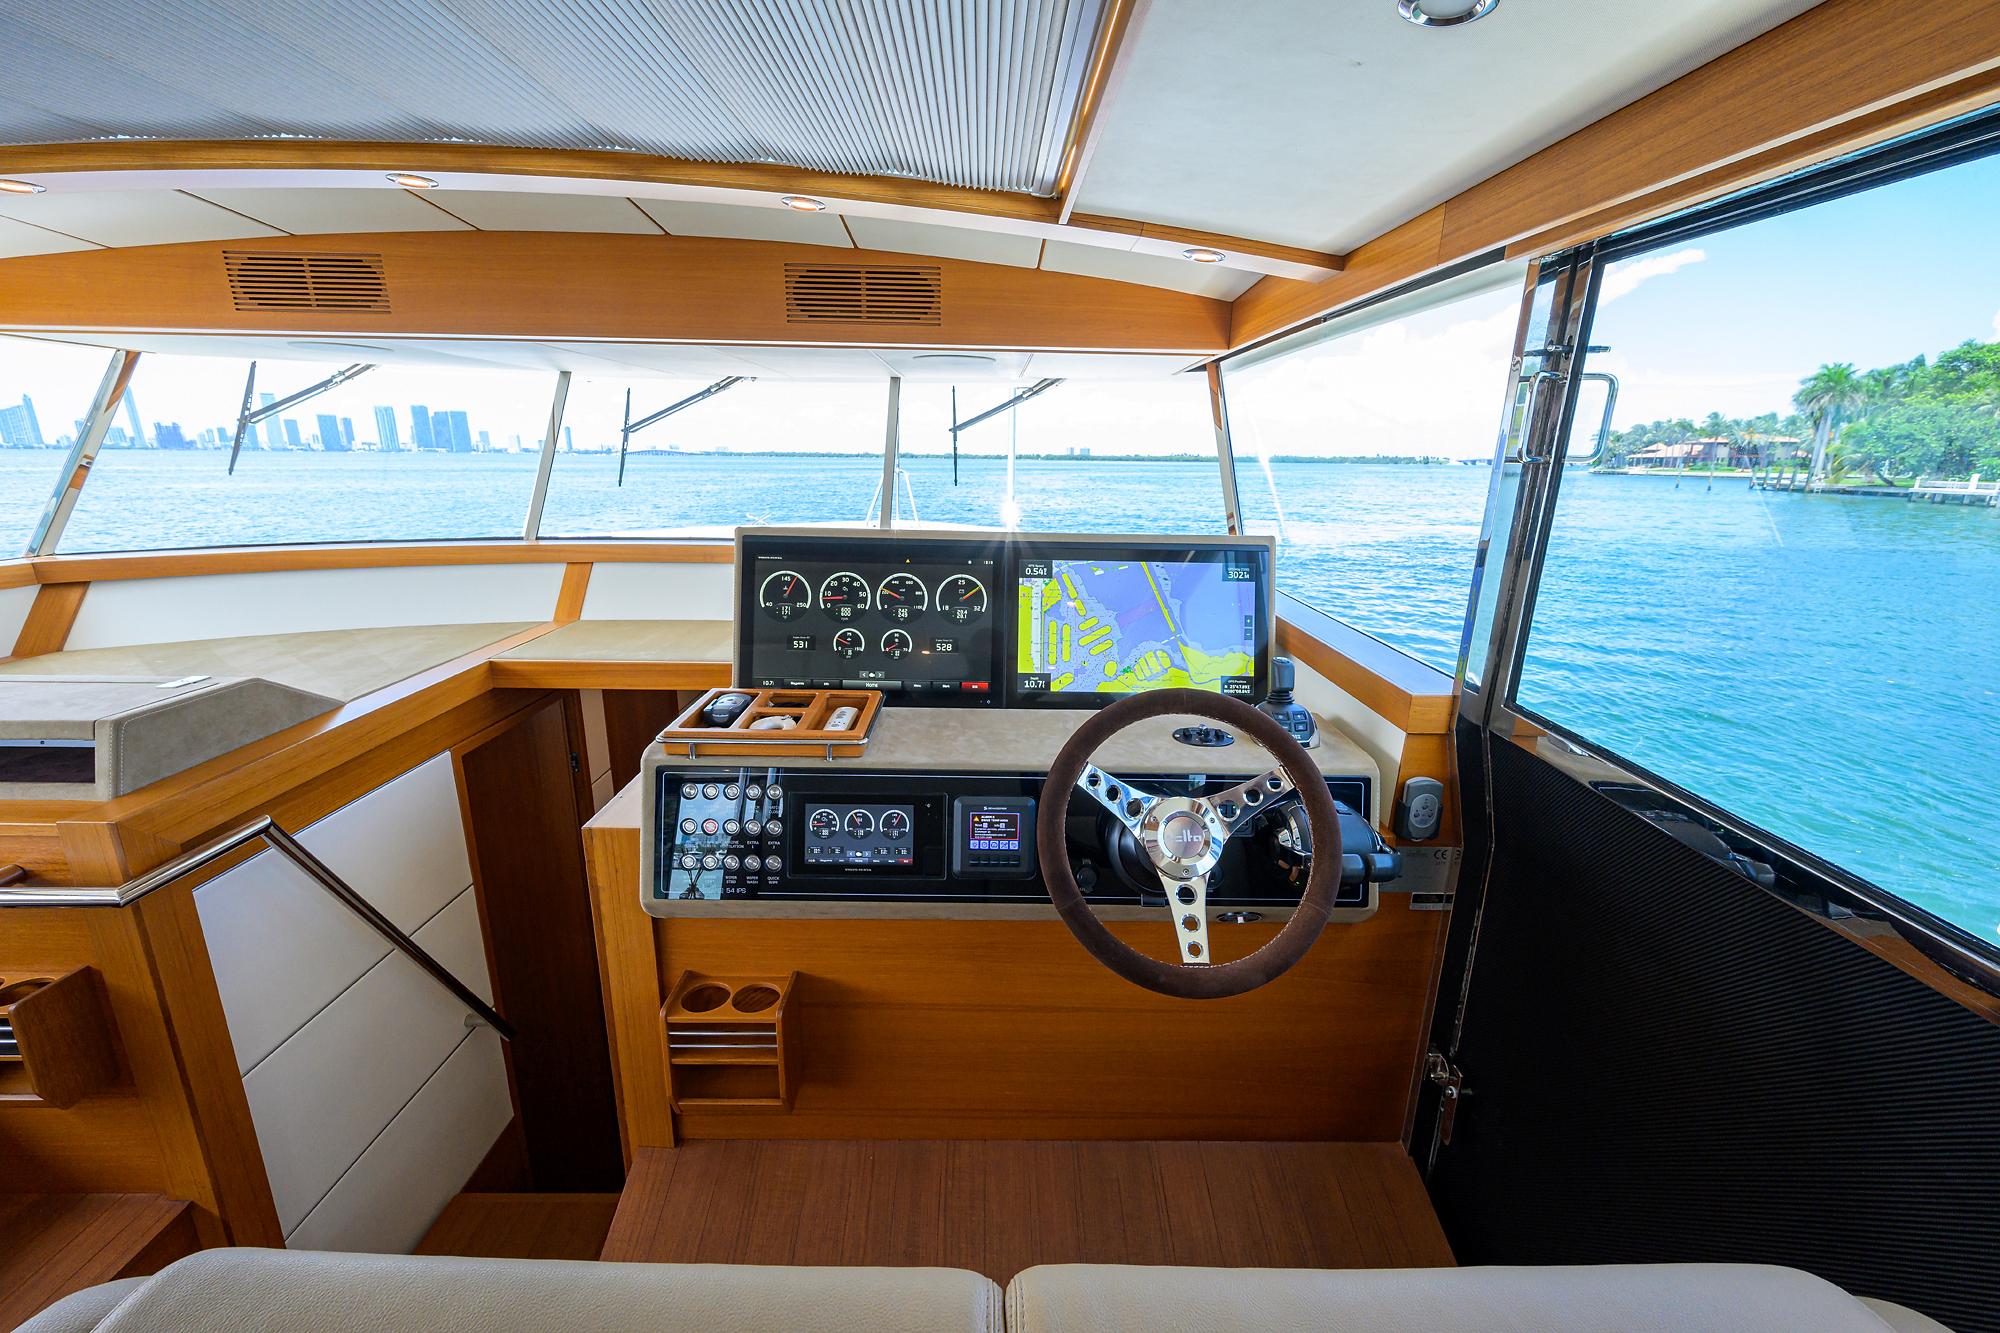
{"x": 1367, "y": 448}
{"x": 46, "y": 389}
{"x": 399, "y": 453}
{"x": 1777, "y": 585}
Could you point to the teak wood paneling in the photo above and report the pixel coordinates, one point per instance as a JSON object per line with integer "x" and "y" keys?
{"x": 999, "y": 1207}
{"x": 54, "y": 1244}
{"x": 535, "y": 907}
{"x": 522, "y": 1226}
{"x": 49, "y": 619}
{"x": 362, "y": 555}
{"x": 627, "y": 288}
{"x": 1843, "y": 74}
{"x": 1008, "y": 1029}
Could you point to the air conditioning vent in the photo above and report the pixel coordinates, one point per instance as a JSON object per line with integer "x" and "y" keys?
{"x": 272, "y": 280}
{"x": 863, "y": 294}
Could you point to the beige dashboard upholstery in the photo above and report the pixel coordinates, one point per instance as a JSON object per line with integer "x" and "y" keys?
{"x": 1633, "y": 1298}
{"x": 280, "y": 1291}
{"x": 285, "y": 1291}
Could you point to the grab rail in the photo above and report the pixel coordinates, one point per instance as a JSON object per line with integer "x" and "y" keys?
{"x": 64, "y": 895}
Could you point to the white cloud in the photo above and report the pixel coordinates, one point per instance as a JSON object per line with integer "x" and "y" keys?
{"x": 1624, "y": 279}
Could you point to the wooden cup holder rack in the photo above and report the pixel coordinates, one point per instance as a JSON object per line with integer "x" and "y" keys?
{"x": 55, "y": 1037}
{"x": 727, "y": 1047}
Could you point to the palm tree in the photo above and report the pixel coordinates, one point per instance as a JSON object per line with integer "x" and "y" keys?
{"x": 1824, "y": 396}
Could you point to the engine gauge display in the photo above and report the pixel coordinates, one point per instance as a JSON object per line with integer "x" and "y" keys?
{"x": 859, "y": 823}
{"x": 961, "y": 599}
{"x": 850, "y": 643}
{"x": 783, "y": 595}
{"x": 897, "y": 644}
{"x": 895, "y": 825}
{"x": 844, "y": 595}
{"x": 824, "y": 823}
{"x": 903, "y": 597}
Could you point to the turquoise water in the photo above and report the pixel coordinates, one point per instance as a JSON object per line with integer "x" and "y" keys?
{"x": 1828, "y": 668}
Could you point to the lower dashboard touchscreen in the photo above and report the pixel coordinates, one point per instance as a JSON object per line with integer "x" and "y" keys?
{"x": 917, "y": 621}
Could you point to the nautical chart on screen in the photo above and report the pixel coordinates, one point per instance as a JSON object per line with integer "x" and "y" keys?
{"x": 1100, "y": 625}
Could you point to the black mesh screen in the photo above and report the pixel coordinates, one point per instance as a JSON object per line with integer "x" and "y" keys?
{"x": 1665, "y": 1063}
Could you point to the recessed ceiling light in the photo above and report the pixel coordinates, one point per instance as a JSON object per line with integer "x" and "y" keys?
{"x": 410, "y": 180}
{"x": 802, "y": 204}
{"x": 21, "y": 187}
{"x": 1201, "y": 254}
{"x": 1444, "y": 13}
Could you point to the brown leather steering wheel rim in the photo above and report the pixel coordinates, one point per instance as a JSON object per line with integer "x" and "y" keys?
{"x": 1217, "y": 980}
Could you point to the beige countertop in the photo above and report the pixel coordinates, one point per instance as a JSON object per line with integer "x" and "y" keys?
{"x": 341, "y": 664}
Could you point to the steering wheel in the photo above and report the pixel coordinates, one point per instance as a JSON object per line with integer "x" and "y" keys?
{"x": 1183, "y": 837}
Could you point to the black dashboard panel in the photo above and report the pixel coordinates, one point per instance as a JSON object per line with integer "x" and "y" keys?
{"x": 918, "y": 619}
{"x": 1041, "y": 621}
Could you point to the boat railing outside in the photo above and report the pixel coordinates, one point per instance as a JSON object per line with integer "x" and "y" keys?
{"x": 283, "y": 843}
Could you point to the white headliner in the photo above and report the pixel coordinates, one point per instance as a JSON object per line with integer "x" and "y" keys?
{"x": 1311, "y": 123}
{"x": 1323, "y": 123}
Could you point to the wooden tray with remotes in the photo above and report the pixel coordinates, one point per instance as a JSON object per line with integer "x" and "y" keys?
{"x": 833, "y": 723}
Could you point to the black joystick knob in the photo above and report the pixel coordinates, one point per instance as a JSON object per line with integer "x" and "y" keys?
{"x": 1290, "y": 714}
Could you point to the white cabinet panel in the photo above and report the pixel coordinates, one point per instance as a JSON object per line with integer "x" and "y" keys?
{"x": 283, "y": 947}
{"x": 388, "y": 1199}
{"x": 323, "y": 1096}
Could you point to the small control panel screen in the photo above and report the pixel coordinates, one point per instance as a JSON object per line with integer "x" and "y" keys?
{"x": 1097, "y": 621}
{"x": 860, "y": 835}
{"x": 917, "y": 620}
{"x": 995, "y": 831}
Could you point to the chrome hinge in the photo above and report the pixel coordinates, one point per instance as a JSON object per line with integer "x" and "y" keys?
{"x": 1451, "y": 1086}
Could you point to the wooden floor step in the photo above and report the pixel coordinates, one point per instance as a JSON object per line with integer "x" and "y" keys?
{"x": 522, "y": 1226}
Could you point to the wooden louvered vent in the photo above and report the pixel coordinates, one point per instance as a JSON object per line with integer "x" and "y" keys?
{"x": 863, "y": 294}
{"x": 275, "y": 280}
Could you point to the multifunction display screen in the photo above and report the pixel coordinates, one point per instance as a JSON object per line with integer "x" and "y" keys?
{"x": 994, "y": 831}
{"x": 920, "y": 626}
{"x": 1096, "y": 621}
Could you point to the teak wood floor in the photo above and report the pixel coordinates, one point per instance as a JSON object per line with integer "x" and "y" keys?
{"x": 999, "y": 1207}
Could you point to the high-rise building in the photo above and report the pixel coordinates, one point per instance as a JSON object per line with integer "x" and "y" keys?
{"x": 457, "y": 432}
{"x": 569, "y": 440}
{"x": 347, "y": 431}
{"x": 169, "y": 435}
{"x": 331, "y": 441}
{"x": 18, "y": 427}
{"x": 273, "y": 437}
{"x": 485, "y": 443}
{"x": 386, "y": 438}
{"x": 138, "y": 431}
{"x": 293, "y": 440}
{"x": 420, "y": 428}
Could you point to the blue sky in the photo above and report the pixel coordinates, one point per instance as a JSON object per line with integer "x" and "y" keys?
{"x": 1873, "y": 279}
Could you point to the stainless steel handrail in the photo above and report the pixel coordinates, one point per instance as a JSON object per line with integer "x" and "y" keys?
{"x": 64, "y": 895}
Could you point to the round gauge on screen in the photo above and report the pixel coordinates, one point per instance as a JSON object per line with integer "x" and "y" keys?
{"x": 784, "y": 595}
{"x": 850, "y": 642}
{"x": 903, "y": 597}
{"x": 895, "y": 825}
{"x": 843, "y": 596}
{"x": 961, "y": 598}
{"x": 897, "y": 644}
{"x": 824, "y": 823}
{"x": 860, "y": 823}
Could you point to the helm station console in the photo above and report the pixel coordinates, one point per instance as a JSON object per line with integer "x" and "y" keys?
{"x": 990, "y": 652}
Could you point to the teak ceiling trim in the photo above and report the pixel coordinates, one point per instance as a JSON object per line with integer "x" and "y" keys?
{"x": 587, "y": 286}
{"x": 160, "y": 163}
{"x": 1840, "y": 76}
{"x": 1088, "y": 125}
